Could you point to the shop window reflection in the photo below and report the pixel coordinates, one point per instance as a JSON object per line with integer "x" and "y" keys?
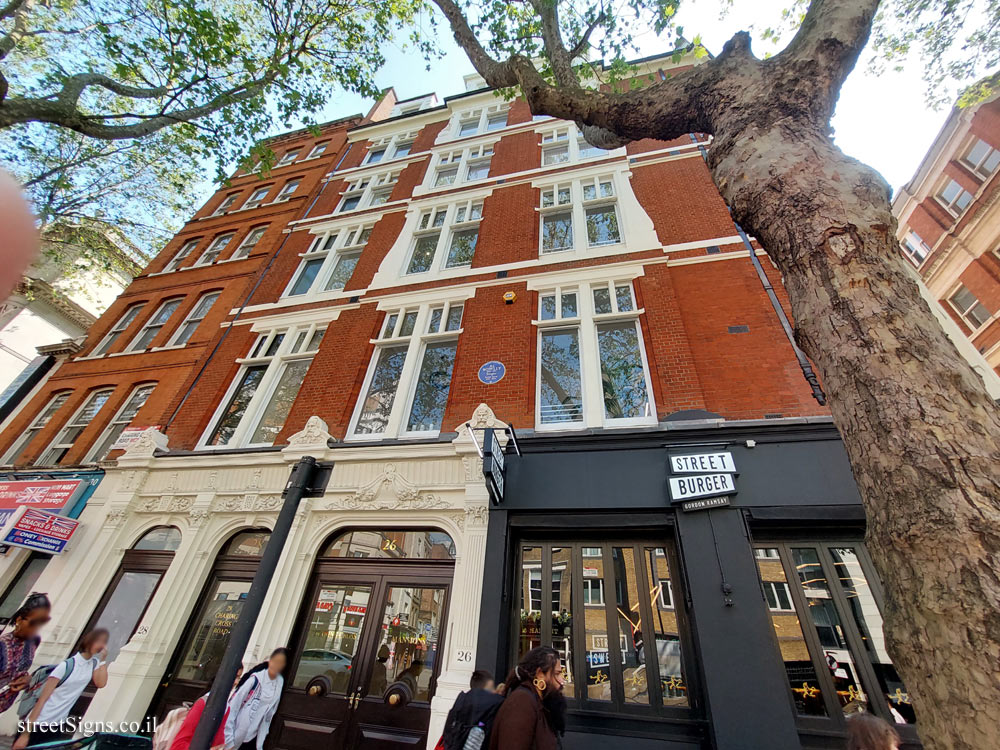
{"x": 562, "y": 613}
{"x": 529, "y": 632}
{"x": 203, "y": 654}
{"x": 664, "y": 628}
{"x": 337, "y": 616}
{"x": 630, "y": 627}
{"x": 393, "y": 544}
{"x": 408, "y": 652}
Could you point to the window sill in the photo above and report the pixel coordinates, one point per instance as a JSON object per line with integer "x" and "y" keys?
{"x": 169, "y": 347}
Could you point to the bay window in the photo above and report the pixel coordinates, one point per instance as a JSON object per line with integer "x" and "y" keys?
{"x": 579, "y": 214}
{"x": 823, "y": 600}
{"x": 366, "y": 192}
{"x": 120, "y": 421}
{"x": 330, "y": 261}
{"x": 70, "y": 433}
{"x": 43, "y": 418}
{"x": 254, "y": 410}
{"x": 592, "y": 368}
{"x": 445, "y": 237}
{"x": 413, "y": 359}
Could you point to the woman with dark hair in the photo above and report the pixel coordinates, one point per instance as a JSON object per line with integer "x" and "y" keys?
{"x": 868, "y": 732}
{"x": 64, "y": 685}
{"x": 17, "y": 648}
{"x": 254, "y": 702}
{"x": 533, "y": 715}
{"x": 185, "y": 732}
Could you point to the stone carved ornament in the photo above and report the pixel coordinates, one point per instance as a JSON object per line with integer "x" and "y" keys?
{"x": 388, "y": 491}
{"x": 314, "y": 435}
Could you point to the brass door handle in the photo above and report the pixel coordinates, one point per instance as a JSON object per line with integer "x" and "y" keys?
{"x": 354, "y": 700}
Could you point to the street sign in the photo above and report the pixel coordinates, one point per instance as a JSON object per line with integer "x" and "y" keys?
{"x": 494, "y": 465}
{"x": 699, "y": 463}
{"x": 39, "y": 530}
{"x": 131, "y": 435}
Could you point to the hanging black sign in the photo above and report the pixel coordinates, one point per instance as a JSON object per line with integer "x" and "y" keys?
{"x": 493, "y": 465}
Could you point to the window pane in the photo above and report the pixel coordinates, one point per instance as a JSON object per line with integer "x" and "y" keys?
{"x": 562, "y": 613}
{"x": 529, "y": 635}
{"x": 561, "y": 390}
{"x": 423, "y": 253}
{"x": 350, "y": 203}
{"x": 557, "y": 232}
{"x": 602, "y": 300}
{"x": 463, "y": 248}
{"x": 237, "y": 406}
{"x": 802, "y": 678}
{"x": 124, "y": 608}
{"x": 602, "y": 226}
{"x": 434, "y": 325}
{"x": 273, "y": 418}
{"x": 203, "y": 653}
{"x": 374, "y": 157}
{"x": 454, "y": 318}
{"x": 623, "y": 378}
{"x": 409, "y": 323}
{"x": 630, "y": 626}
{"x": 495, "y": 122}
{"x": 852, "y": 581}
{"x": 468, "y": 127}
{"x": 664, "y": 630}
{"x": 568, "y": 305}
{"x": 23, "y": 585}
{"x": 478, "y": 170}
{"x": 402, "y": 149}
{"x": 446, "y": 176}
{"x": 306, "y": 276}
{"x": 393, "y": 544}
{"x": 623, "y": 295}
{"x": 410, "y": 633}
{"x": 555, "y": 155}
{"x": 377, "y": 405}
{"x": 597, "y": 653}
{"x": 433, "y": 382}
{"x": 548, "y": 307}
{"x": 342, "y": 271}
{"x": 332, "y": 640}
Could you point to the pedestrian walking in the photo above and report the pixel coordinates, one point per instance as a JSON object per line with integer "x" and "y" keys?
{"x": 471, "y": 717}
{"x": 253, "y": 704}
{"x": 185, "y": 733}
{"x": 866, "y": 731}
{"x": 533, "y": 715}
{"x": 63, "y": 687}
{"x": 17, "y": 648}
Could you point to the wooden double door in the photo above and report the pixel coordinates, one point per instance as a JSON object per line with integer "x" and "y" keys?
{"x": 368, "y": 648}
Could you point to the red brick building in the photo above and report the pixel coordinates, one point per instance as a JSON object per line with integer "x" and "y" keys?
{"x": 949, "y": 223}
{"x": 442, "y": 268}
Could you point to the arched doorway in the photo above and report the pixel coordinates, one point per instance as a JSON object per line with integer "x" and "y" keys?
{"x": 196, "y": 660}
{"x": 369, "y": 642}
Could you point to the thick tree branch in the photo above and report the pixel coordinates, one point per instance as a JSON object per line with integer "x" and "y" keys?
{"x": 559, "y": 57}
{"x": 496, "y": 74}
{"x": 18, "y": 10}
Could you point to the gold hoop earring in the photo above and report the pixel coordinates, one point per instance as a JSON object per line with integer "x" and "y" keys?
{"x": 540, "y": 685}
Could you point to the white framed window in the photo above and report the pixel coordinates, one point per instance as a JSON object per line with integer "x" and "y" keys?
{"x": 148, "y": 333}
{"x": 330, "y": 261}
{"x": 578, "y": 214}
{"x": 257, "y": 197}
{"x": 214, "y": 250}
{"x": 119, "y": 422}
{"x": 766, "y": 553}
{"x": 68, "y": 435}
{"x": 480, "y": 120}
{"x": 391, "y": 147}
{"x": 462, "y": 165}
{"x": 186, "y": 249}
{"x": 116, "y": 331}
{"x": 286, "y": 190}
{"x": 318, "y": 150}
{"x": 779, "y": 598}
{"x": 666, "y": 594}
{"x": 915, "y": 248}
{"x": 257, "y": 403}
{"x": 226, "y": 204}
{"x": 249, "y": 243}
{"x": 591, "y": 551}
{"x": 593, "y": 592}
{"x": 44, "y": 417}
{"x": 366, "y": 192}
{"x": 981, "y": 158}
{"x": 193, "y": 319}
{"x": 591, "y": 363}
{"x": 973, "y": 312}
{"x": 445, "y": 237}
{"x": 406, "y": 388}
{"x": 288, "y": 157}
{"x": 566, "y": 145}
{"x": 954, "y": 197}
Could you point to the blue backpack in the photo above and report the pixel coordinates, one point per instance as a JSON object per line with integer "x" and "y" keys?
{"x": 29, "y": 696}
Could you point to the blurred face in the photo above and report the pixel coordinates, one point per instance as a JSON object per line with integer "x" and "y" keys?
{"x": 29, "y": 625}
{"x": 554, "y": 680}
{"x": 490, "y": 686}
{"x": 276, "y": 663}
{"x": 100, "y": 643}
{"x": 239, "y": 673}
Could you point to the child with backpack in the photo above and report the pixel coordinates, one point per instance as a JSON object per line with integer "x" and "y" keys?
{"x": 17, "y": 648}
{"x": 469, "y": 721}
{"x": 254, "y": 702}
{"x": 55, "y": 689}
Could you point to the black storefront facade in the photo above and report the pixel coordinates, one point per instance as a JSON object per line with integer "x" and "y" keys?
{"x": 760, "y": 618}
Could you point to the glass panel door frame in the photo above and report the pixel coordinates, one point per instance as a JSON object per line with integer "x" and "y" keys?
{"x": 585, "y": 538}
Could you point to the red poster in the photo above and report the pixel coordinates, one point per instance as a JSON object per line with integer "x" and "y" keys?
{"x": 43, "y": 494}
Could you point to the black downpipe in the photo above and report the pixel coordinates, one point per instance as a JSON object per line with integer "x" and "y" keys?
{"x": 807, "y": 371}
{"x": 246, "y": 301}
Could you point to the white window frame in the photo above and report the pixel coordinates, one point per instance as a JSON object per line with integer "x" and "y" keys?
{"x": 215, "y": 249}
{"x": 193, "y": 316}
{"x": 227, "y": 202}
{"x": 586, "y": 323}
{"x": 978, "y": 167}
{"x": 186, "y": 249}
{"x": 481, "y": 117}
{"x": 666, "y": 602}
{"x": 766, "y": 553}
{"x": 246, "y": 246}
{"x": 176, "y": 301}
{"x": 287, "y": 190}
{"x": 460, "y": 160}
{"x": 577, "y": 207}
{"x": 389, "y": 145}
{"x": 276, "y": 364}
{"x": 121, "y": 325}
{"x": 915, "y": 248}
{"x": 774, "y": 586}
{"x": 406, "y": 386}
{"x": 346, "y": 240}
{"x": 289, "y": 157}
{"x": 41, "y": 420}
{"x": 569, "y": 135}
{"x": 318, "y": 150}
{"x": 445, "y": 231}
{"x": 118, "y": 419}
{"x": 59, "y": 441}
{"x": 964, "y": 313}
{"x": 253, "y": 201}
{"x": 600, "y": 591}
{"x": 952, "y": 206}
{"x": 365, "y": 188}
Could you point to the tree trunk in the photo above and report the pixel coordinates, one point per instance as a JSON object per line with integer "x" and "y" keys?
{"x": 919, "y": 427}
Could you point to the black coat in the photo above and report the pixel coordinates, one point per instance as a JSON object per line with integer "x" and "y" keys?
{"x": 471, "y": 708}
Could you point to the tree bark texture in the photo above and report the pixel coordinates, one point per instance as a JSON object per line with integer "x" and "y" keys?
{"x": 920, "y": 429}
